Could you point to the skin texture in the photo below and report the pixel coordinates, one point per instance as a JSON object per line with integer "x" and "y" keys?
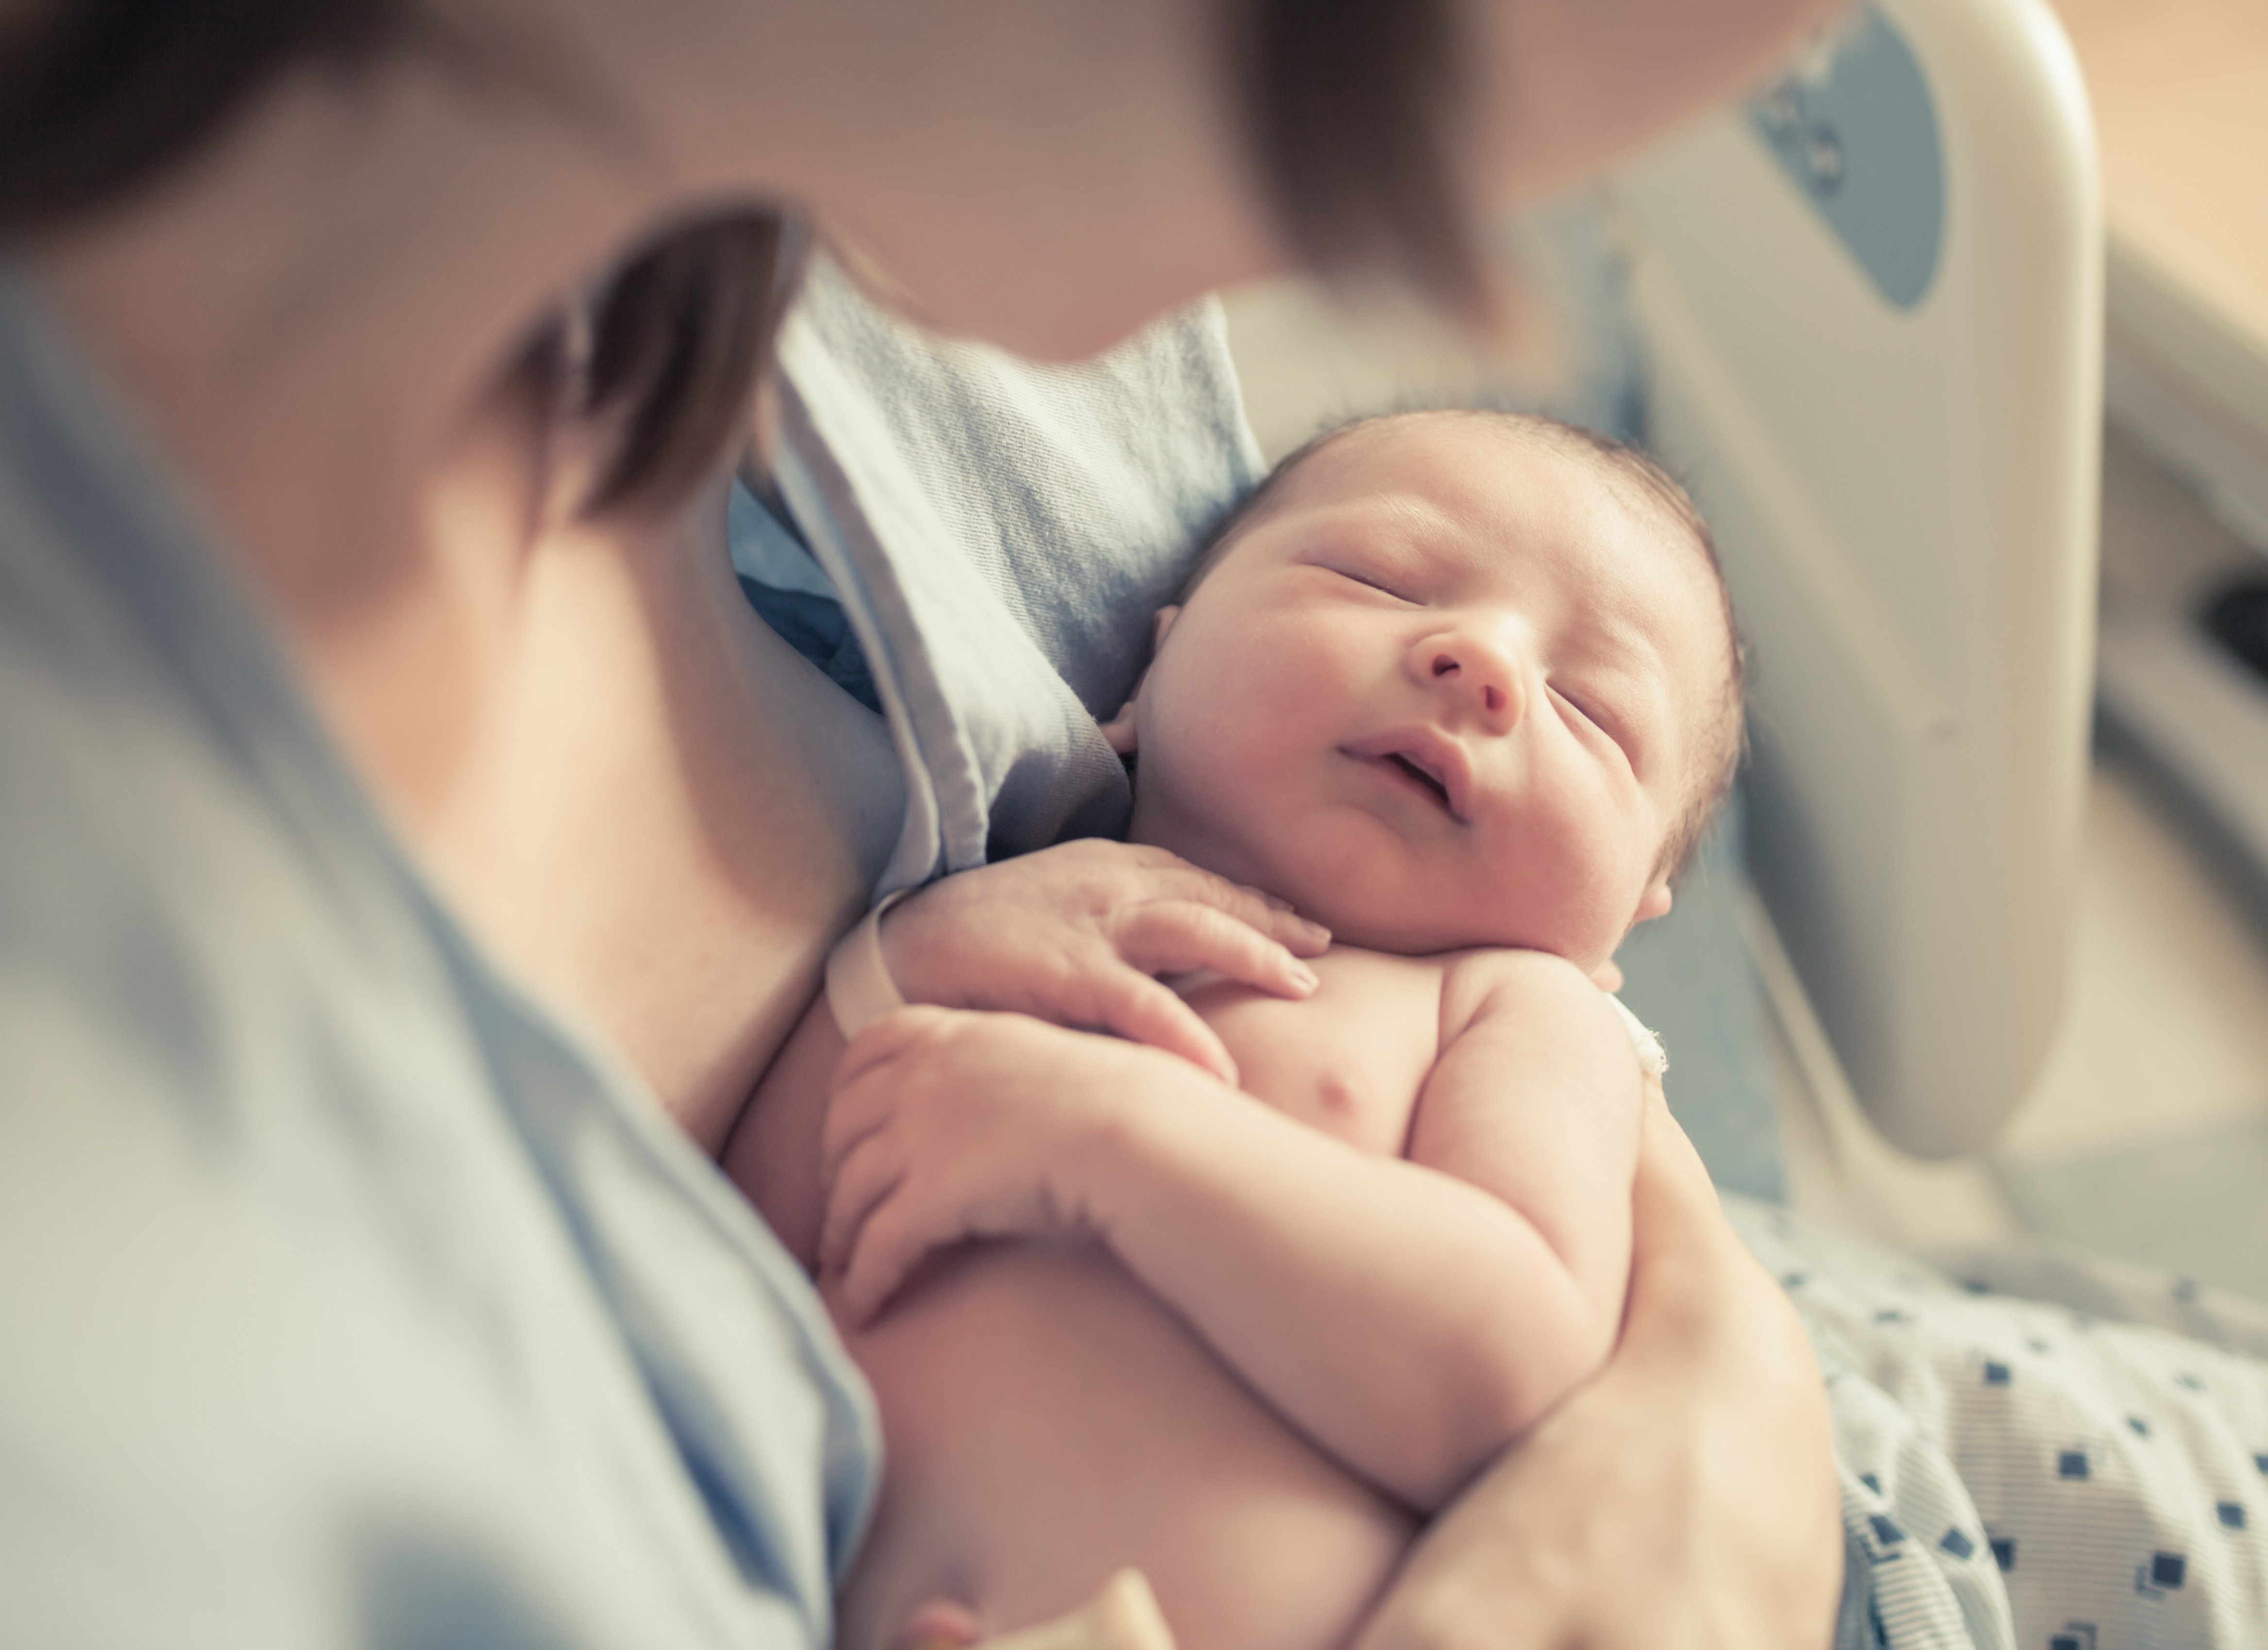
{"x": 1448, "y": 691}
{"x": 1411, "y": 1249}
{"x": 1419, "y": 1241}
{"x": 310, "y": 320}
{"x": 1326, "y": 1301}
{"x": 1520, "y": 1563}
{"x": 1108, "y": 922}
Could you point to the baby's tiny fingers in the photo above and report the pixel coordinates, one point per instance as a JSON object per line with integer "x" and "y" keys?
{"x": 886, "y": 1251}
{"x": 1255, "y": 909}
{"x": 1297, "y": 934}
{"x": 1182, "y": 935}
{"x": 862, "y": 1182}
{"x": 886, "y": 1039}
{"x": 864, "y": 1093}
{"x": 1140, "y": 1010}
{"x": 856, "y": 1110}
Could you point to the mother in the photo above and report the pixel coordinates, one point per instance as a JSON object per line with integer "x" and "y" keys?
{"x": 349, "y": 1295}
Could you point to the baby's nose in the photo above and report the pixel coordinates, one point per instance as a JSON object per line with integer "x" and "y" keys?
{"x": 1482, "y": 670}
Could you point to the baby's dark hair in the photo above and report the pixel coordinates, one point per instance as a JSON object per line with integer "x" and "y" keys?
{"x": 1643, "y": 483}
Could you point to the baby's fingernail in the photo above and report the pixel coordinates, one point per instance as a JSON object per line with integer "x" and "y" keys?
{"x": 1305, "y": 977}
{"x": 1315, "y": 931}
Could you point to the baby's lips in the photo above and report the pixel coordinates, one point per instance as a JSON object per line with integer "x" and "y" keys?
{"x": 1444, "y": 764}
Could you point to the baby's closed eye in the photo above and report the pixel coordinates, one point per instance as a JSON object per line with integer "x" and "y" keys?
{"x": 1384, "y": 581}
{"x": 1600, "y": 713}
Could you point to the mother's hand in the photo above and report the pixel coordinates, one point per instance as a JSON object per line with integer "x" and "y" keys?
{"x": 1685, "y": 1497}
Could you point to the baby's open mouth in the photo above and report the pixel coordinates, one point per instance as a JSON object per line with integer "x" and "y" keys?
{"x": 1421, "y": 758}
{"x": 1422, "y": 777}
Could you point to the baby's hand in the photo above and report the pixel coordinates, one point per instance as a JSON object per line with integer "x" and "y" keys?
{"x": 944, "y": 1126}
{"x": 1075, "y": 935}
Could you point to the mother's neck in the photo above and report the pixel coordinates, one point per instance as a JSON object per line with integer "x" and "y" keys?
{"x": 313, "y": 320}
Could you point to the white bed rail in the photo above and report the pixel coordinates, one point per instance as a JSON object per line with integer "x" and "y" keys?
{"x": 1871, "y": 303}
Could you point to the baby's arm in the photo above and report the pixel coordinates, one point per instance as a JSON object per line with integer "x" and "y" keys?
{"x": 1073, "y": 934}
{"x": 1538, "y": 1097}
{"x": 1411, "y": 1320}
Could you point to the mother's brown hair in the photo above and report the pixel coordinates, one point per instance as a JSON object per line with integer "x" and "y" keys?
{"x": 1349, "y": 108}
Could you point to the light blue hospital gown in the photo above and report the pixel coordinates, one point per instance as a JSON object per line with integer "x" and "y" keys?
{"x": 346, "y": 1298}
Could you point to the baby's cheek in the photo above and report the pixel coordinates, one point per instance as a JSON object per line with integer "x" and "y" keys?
{"x": 1575, "y": 887}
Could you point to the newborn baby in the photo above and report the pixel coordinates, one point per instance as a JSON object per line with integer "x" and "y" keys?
{"x": 1462, "y": 687}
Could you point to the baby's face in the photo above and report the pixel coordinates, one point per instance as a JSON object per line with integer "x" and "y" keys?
{"x": 1448, "y": 691}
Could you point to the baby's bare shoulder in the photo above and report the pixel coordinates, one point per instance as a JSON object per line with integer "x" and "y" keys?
{"x": 1482, "y": 984}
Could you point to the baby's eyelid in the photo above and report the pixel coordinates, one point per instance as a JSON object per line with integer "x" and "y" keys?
{"x": 1375, "y": 581}
{"x": 1603, "y": 718}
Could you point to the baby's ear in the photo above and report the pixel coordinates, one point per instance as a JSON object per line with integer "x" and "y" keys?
{"x": 1654, "y": 902}
{"x": 1119, "y": 730}
{"x": 1607, "y": 976}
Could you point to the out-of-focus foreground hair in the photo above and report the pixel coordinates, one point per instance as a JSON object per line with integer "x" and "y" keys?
{"x": 99, "y": 99}
{"x": 1353, "y": 111}
{"x": 1350, "y": 113}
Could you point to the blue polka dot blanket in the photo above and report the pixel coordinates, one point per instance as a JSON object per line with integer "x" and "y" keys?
{"x": 2040, "y": 1450}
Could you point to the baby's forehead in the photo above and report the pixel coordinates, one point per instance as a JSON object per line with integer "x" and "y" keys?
{"x": 1424, "y": 462}
{"x": 1453, "y": 462}
{"x": 1492, "y": 488}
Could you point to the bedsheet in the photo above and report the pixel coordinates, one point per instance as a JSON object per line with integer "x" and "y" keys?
{"x": 2039, "y": 1448}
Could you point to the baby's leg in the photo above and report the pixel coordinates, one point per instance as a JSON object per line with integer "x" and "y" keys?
{"x": 1049, "y": 1424}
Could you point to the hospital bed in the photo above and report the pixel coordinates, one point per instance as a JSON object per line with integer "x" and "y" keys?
{"x": 1862, "y": 316}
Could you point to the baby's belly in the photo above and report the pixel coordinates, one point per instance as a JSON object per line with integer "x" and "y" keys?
{"x": 1048, "y": 1422}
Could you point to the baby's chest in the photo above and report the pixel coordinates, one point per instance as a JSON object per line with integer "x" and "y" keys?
{"x": 1351, "y": 1059}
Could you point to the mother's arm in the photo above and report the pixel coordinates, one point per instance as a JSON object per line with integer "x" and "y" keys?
{"x": 1686, "y": 1496}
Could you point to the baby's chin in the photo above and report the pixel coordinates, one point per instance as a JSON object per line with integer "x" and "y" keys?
{"x": 1372, "y": 913}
